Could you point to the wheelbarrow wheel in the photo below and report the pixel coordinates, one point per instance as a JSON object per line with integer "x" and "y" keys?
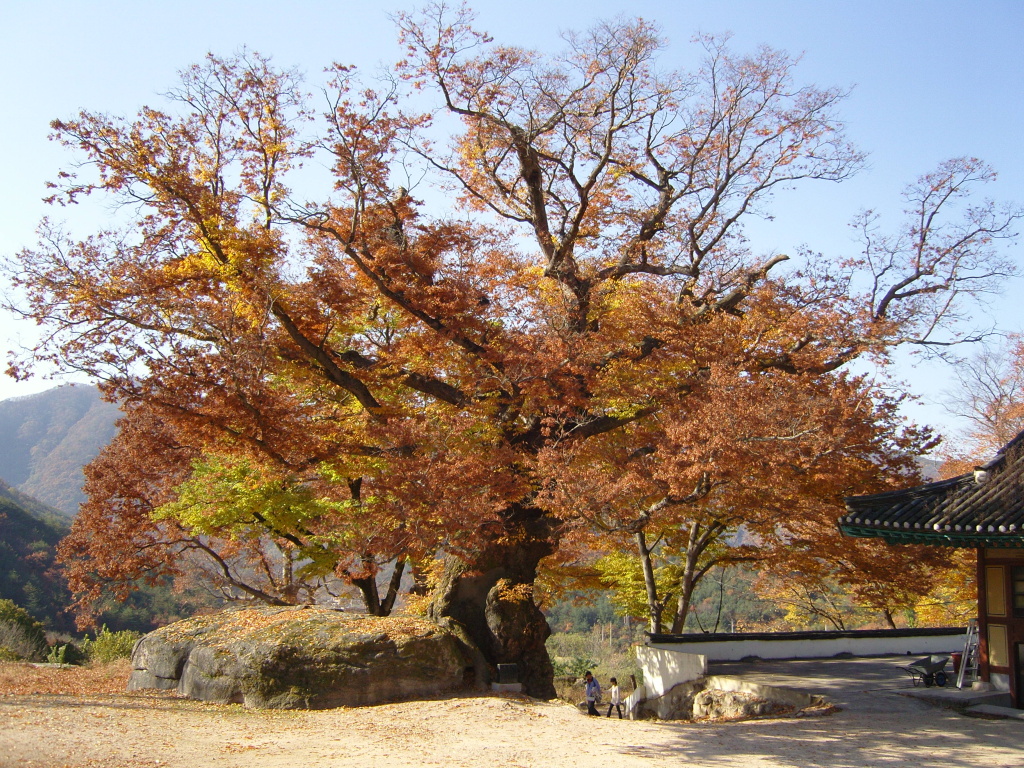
{"x": 940, "y": 678}
{"x": 929, "y": 680}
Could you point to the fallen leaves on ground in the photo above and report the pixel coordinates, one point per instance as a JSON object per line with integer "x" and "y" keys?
{"x": 21, "y": 679}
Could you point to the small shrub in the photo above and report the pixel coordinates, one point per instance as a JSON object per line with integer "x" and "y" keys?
{"x": 577, "y": 666}
{"x": 570, "y": 690}
{"x": 56, "y": 654}
{"x": 73, "y": 654}
{"x": 20, "y": 634}
{"x": 65, "y": 653}
{"x": 108, "y": 646}
{"x": 19, "y": 644}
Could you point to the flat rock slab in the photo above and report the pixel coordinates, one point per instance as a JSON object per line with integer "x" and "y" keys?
{"x": 951, "y": 696}
{"x": 993, "y": 711}
{"x": 299, "y": 658}
{"x": 727, "y": 697}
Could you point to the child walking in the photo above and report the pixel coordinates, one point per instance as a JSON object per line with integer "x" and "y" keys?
{"x": 616, "y": 700}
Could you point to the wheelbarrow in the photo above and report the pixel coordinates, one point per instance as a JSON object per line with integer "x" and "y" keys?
{"x": 930, "y": 670}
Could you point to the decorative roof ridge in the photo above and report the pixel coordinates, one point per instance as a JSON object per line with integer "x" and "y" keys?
{"x": 979, "y": 508}
{"x": 926, "y": 489}
{"x": 918, "y": 490}
{"x": 1001, "y": 453}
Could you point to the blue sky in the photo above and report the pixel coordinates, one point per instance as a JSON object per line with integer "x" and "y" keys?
{"x": 931, "y": 80}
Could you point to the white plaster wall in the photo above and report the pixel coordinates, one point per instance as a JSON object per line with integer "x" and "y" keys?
{"x": 634, "y": 699}
{"x": 734, "y": 650}
{"x": 1000, "y": 681}
{"x": 666, "y": 667}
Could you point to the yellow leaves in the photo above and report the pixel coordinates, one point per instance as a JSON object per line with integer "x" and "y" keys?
{"x": 471, "y": 152}
{"x": 201, "y": 264}
{"x": 621, "y": 572}
{"x": 508, "y": 592}
{"x": 953, "y": 598}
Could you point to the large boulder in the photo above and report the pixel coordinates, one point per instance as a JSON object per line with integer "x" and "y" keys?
{"x": 299, "y": 658}
{"x": 727, "y": 697}
{"x": 712, "y": 704}
{"x": 675, "y": 704}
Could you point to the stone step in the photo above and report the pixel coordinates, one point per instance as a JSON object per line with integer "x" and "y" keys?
{"x": 992, "y": 710}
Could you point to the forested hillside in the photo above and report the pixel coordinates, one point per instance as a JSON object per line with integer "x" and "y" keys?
{"x": 49, "y": 437}
{"x": 29, "y": 533}
{"x": 29, "y": 575}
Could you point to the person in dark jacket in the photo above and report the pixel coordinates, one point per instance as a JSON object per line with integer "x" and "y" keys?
{"x": 592, "y": 690}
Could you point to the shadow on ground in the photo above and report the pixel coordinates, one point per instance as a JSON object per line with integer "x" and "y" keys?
{"x": 876, "y": 727}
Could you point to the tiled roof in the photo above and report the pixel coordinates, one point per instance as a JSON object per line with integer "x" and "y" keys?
{"x": 972, "y": 510}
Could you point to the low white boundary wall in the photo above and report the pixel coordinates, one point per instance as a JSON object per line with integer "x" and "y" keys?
{"x": 668, "y": 660}
{"x": 812, "y": 645}
{"x": 666, "y": 667}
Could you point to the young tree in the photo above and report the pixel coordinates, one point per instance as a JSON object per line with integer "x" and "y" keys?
{"x": 809, "y": 601}
{"x": 445, "y": 360}
{"x": 863, "y": 576}
{"x": 990, "y": 396}
{"x": 769, "y": 456}
{"x": 953, "y": 599}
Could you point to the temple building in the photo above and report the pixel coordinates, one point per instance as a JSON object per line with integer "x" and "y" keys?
{"x": 983, "y": 510}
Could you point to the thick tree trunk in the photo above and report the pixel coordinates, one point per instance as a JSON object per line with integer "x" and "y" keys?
{"x": 489, "y": 602}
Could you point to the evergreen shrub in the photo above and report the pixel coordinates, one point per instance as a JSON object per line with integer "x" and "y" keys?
{"x": 109, "y": 646}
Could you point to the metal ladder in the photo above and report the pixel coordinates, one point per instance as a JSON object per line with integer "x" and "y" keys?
{"x": 969, "y": 661}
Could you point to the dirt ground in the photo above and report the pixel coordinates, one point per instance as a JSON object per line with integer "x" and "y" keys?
{"x": 70, "y": 718}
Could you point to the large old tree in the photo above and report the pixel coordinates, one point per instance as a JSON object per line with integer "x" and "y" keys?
{"x": 566, "y": 292}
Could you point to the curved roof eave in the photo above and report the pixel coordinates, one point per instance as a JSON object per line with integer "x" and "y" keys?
{"x": 958, "y": 539}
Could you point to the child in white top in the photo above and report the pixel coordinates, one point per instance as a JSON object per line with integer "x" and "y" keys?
{"x": 616, "y": 699}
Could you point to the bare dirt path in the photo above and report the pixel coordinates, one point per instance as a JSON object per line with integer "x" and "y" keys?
{"x": 116, "y": 730}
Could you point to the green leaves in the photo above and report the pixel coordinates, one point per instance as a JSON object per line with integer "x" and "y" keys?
{"x": 238, "y": 499}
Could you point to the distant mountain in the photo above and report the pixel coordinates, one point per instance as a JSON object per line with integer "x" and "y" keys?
{"x": 931, "y": 469}
{"x": 46, "y": 439}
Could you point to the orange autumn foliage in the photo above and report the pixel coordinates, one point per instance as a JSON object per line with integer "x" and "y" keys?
{"x": 568, "y": 331}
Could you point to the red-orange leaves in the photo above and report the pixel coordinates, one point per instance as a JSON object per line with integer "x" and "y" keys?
{"x": 522, "y": 300}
